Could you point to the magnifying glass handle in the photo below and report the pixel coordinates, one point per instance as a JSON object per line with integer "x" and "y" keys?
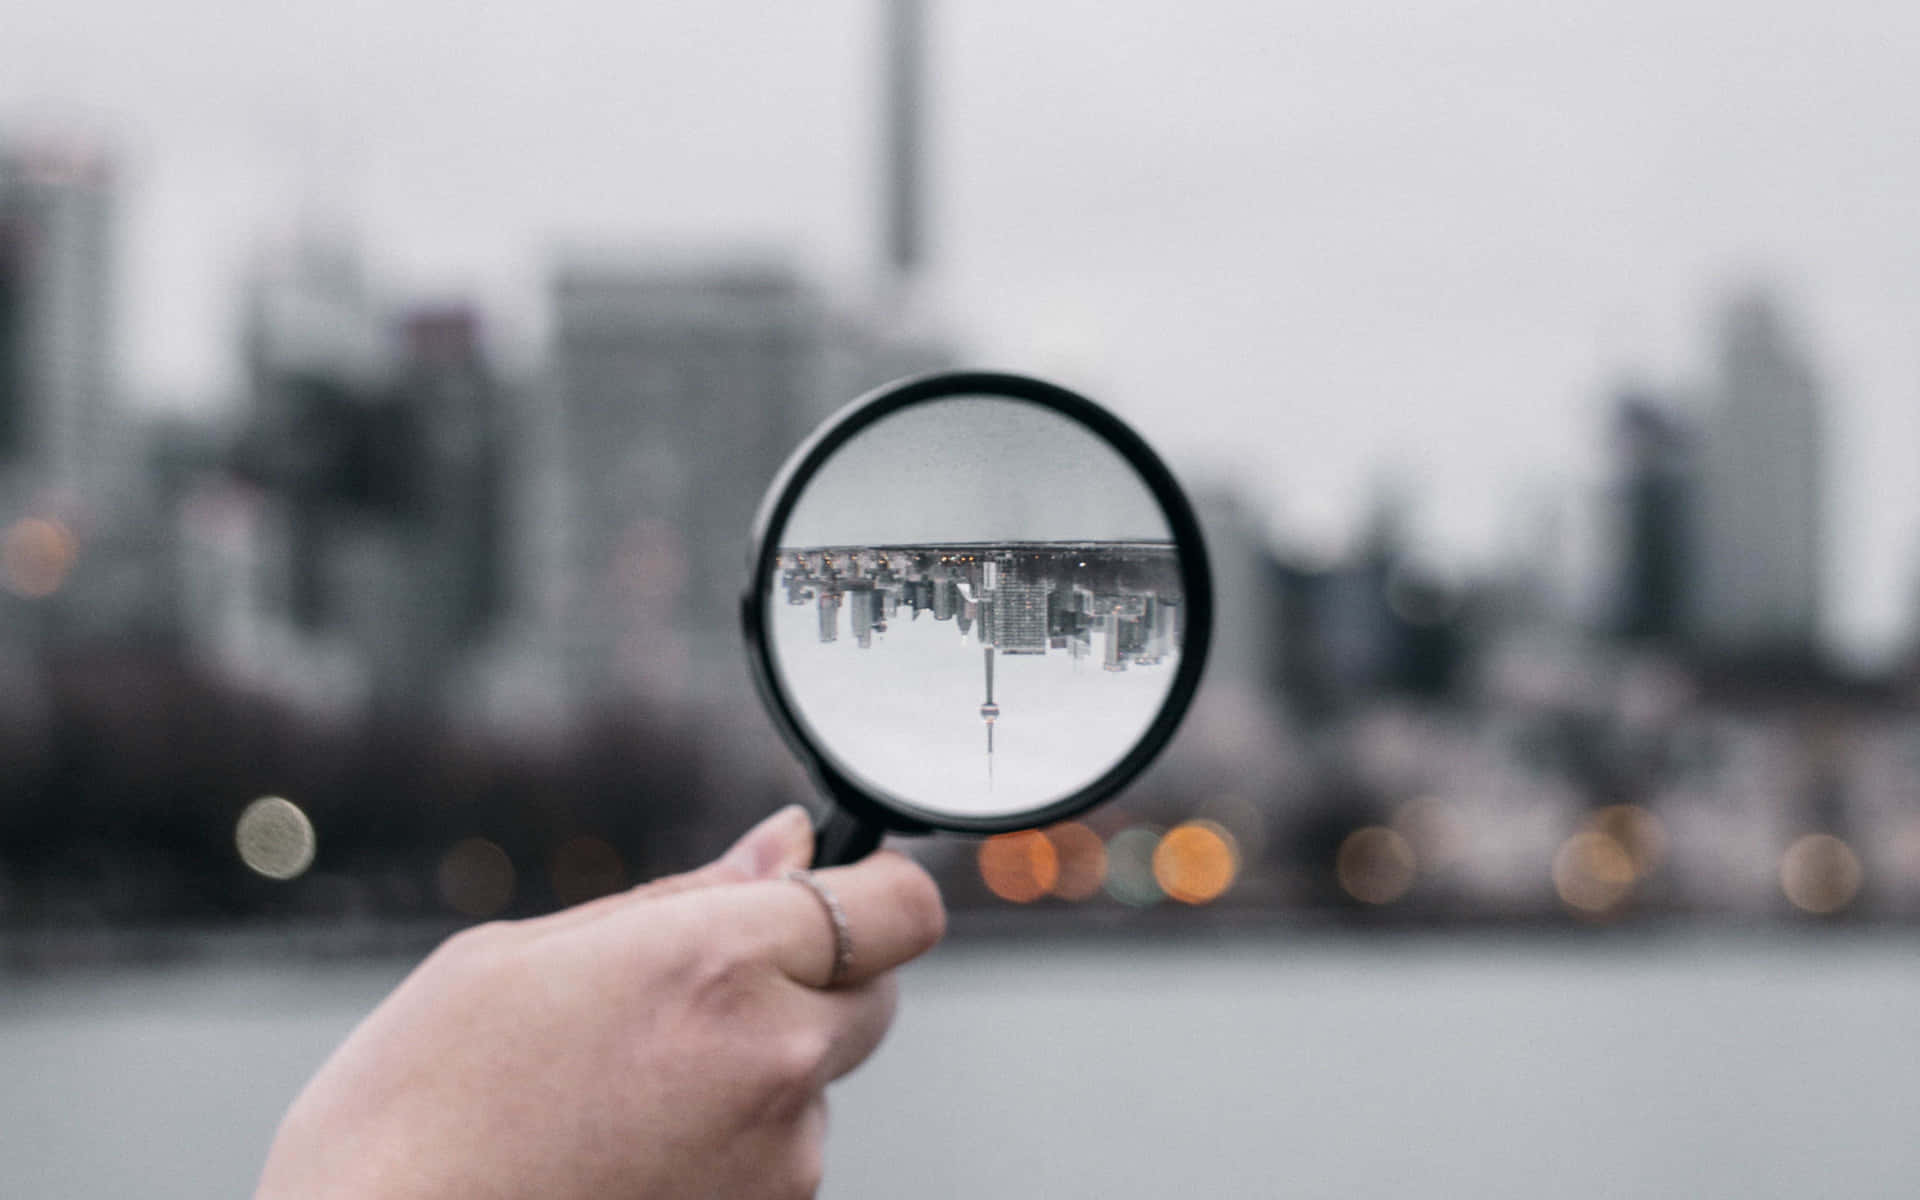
{"x": 843, "y": 838}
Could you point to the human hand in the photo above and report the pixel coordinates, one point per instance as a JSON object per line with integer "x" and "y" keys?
{"x": 673, "y": 1040}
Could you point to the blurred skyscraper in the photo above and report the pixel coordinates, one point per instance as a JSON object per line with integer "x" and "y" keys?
{"x": 56, "y": 338}
{"x": 1762, "y": 504}
{"x": 1654, "y": 518}
{"x": 680, "y": 388}
{"x": 359, "y": 557}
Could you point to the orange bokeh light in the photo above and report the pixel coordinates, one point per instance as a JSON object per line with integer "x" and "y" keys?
{"x": 1195, "y": 863}
{"x": 1083, "y": 860}
{"x": 36, "y": 556}
{"x": 1638, "y": 831}
{"x": 1020, "y": 867}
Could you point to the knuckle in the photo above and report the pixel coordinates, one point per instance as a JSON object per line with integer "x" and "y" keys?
{"x": 723, "y": 966}
{"x": 724, "y": 980}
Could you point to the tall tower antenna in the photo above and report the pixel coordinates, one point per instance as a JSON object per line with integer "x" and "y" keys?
{"x": 904, "y": 117}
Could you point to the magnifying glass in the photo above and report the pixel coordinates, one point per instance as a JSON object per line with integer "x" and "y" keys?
{"x": 978, "y": 602}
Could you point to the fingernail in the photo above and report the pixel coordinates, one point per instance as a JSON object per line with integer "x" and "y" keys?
{"x": 772, "y": 844}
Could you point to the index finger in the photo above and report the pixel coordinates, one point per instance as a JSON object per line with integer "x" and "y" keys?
{"x": 893, "y": 915}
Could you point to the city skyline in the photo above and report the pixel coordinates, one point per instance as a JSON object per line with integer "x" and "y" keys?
{"x": 1064, "y": 653}
{"x": 1571, "y": 226}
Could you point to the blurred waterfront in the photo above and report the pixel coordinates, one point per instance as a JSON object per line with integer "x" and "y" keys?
{"x": 420, "y": 608}
{"x": 1733, "y": 1065}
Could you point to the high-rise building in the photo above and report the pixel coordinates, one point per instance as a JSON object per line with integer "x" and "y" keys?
{"x": 1654, "y": 516}
{"x": 863, "y": 612}
{"x": 829, "y": 615}
{"x": 1762, "y": 495}
{"x": 1020, "y": 616}
{"x": 377, "y": 532}
{"x": 56, "y": 342}
{"x": 680, "y": 389}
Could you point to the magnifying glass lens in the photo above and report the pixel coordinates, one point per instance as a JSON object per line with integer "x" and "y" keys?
{"x": 975, "y": 608}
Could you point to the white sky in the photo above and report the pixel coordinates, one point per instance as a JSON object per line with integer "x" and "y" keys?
{"x": 1302, "y": 246}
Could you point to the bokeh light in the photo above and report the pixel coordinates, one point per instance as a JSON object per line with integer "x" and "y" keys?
{"x": 35, "y": 557}
{"x": 586, "y": 867}
{"x": 1021, "y": 866}
{"x": 1638, "y": 831}
{"x": 1375, "y": 865}
{"x": 476, "y": 878}
{"x": 275, "y": 838}
{"x": 1592, "y": 873}
{"x": 1130, "y": 878}
{"x": 1820, "y": 874}
{"x": 1195, "y": 863}
{"x": 1083, "y": 860}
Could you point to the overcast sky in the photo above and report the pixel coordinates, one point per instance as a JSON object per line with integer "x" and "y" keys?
{"x": 1303, "y": 246}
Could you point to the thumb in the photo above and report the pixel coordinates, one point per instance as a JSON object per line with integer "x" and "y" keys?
{"x": 770, "y": 849}
{"x": 767, "y": 851}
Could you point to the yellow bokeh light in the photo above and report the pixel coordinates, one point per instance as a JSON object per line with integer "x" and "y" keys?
{"x": 1375, "y": 865}
{"x": 1020, "y": 867}
{"x": 1592, "y": 873}
{"x": 476, "y": 878}
{"x": 1637, "y": 830}
{"x": 1083, "y": 860}
{"x": 1195, "y": 863}
{"x": 584, "y": 868}
{"x": 1820, "y": 874}
{"x": 275, "y": 838}
{"x": 36, "y": 556}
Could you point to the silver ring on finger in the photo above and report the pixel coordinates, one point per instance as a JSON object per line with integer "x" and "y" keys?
{"x": 837, "y": 915}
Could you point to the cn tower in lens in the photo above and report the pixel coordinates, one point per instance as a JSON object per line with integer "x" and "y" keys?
{"x": 989, "y": 712}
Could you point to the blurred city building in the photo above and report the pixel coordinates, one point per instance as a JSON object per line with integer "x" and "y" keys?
{"x": 56, "y": 338}
{"x": 397, "y": 555}
{"x": 679, "y": 389}
{"x": 357, "y": 556}
{"x": 1654, "y": 521}
{"x": 1763, "y": 503}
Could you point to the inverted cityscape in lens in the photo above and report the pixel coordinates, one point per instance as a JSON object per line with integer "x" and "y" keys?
{"x": 976, "y": 607}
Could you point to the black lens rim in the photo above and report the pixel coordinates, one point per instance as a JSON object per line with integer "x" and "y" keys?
{"x": 875, "y": 805}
